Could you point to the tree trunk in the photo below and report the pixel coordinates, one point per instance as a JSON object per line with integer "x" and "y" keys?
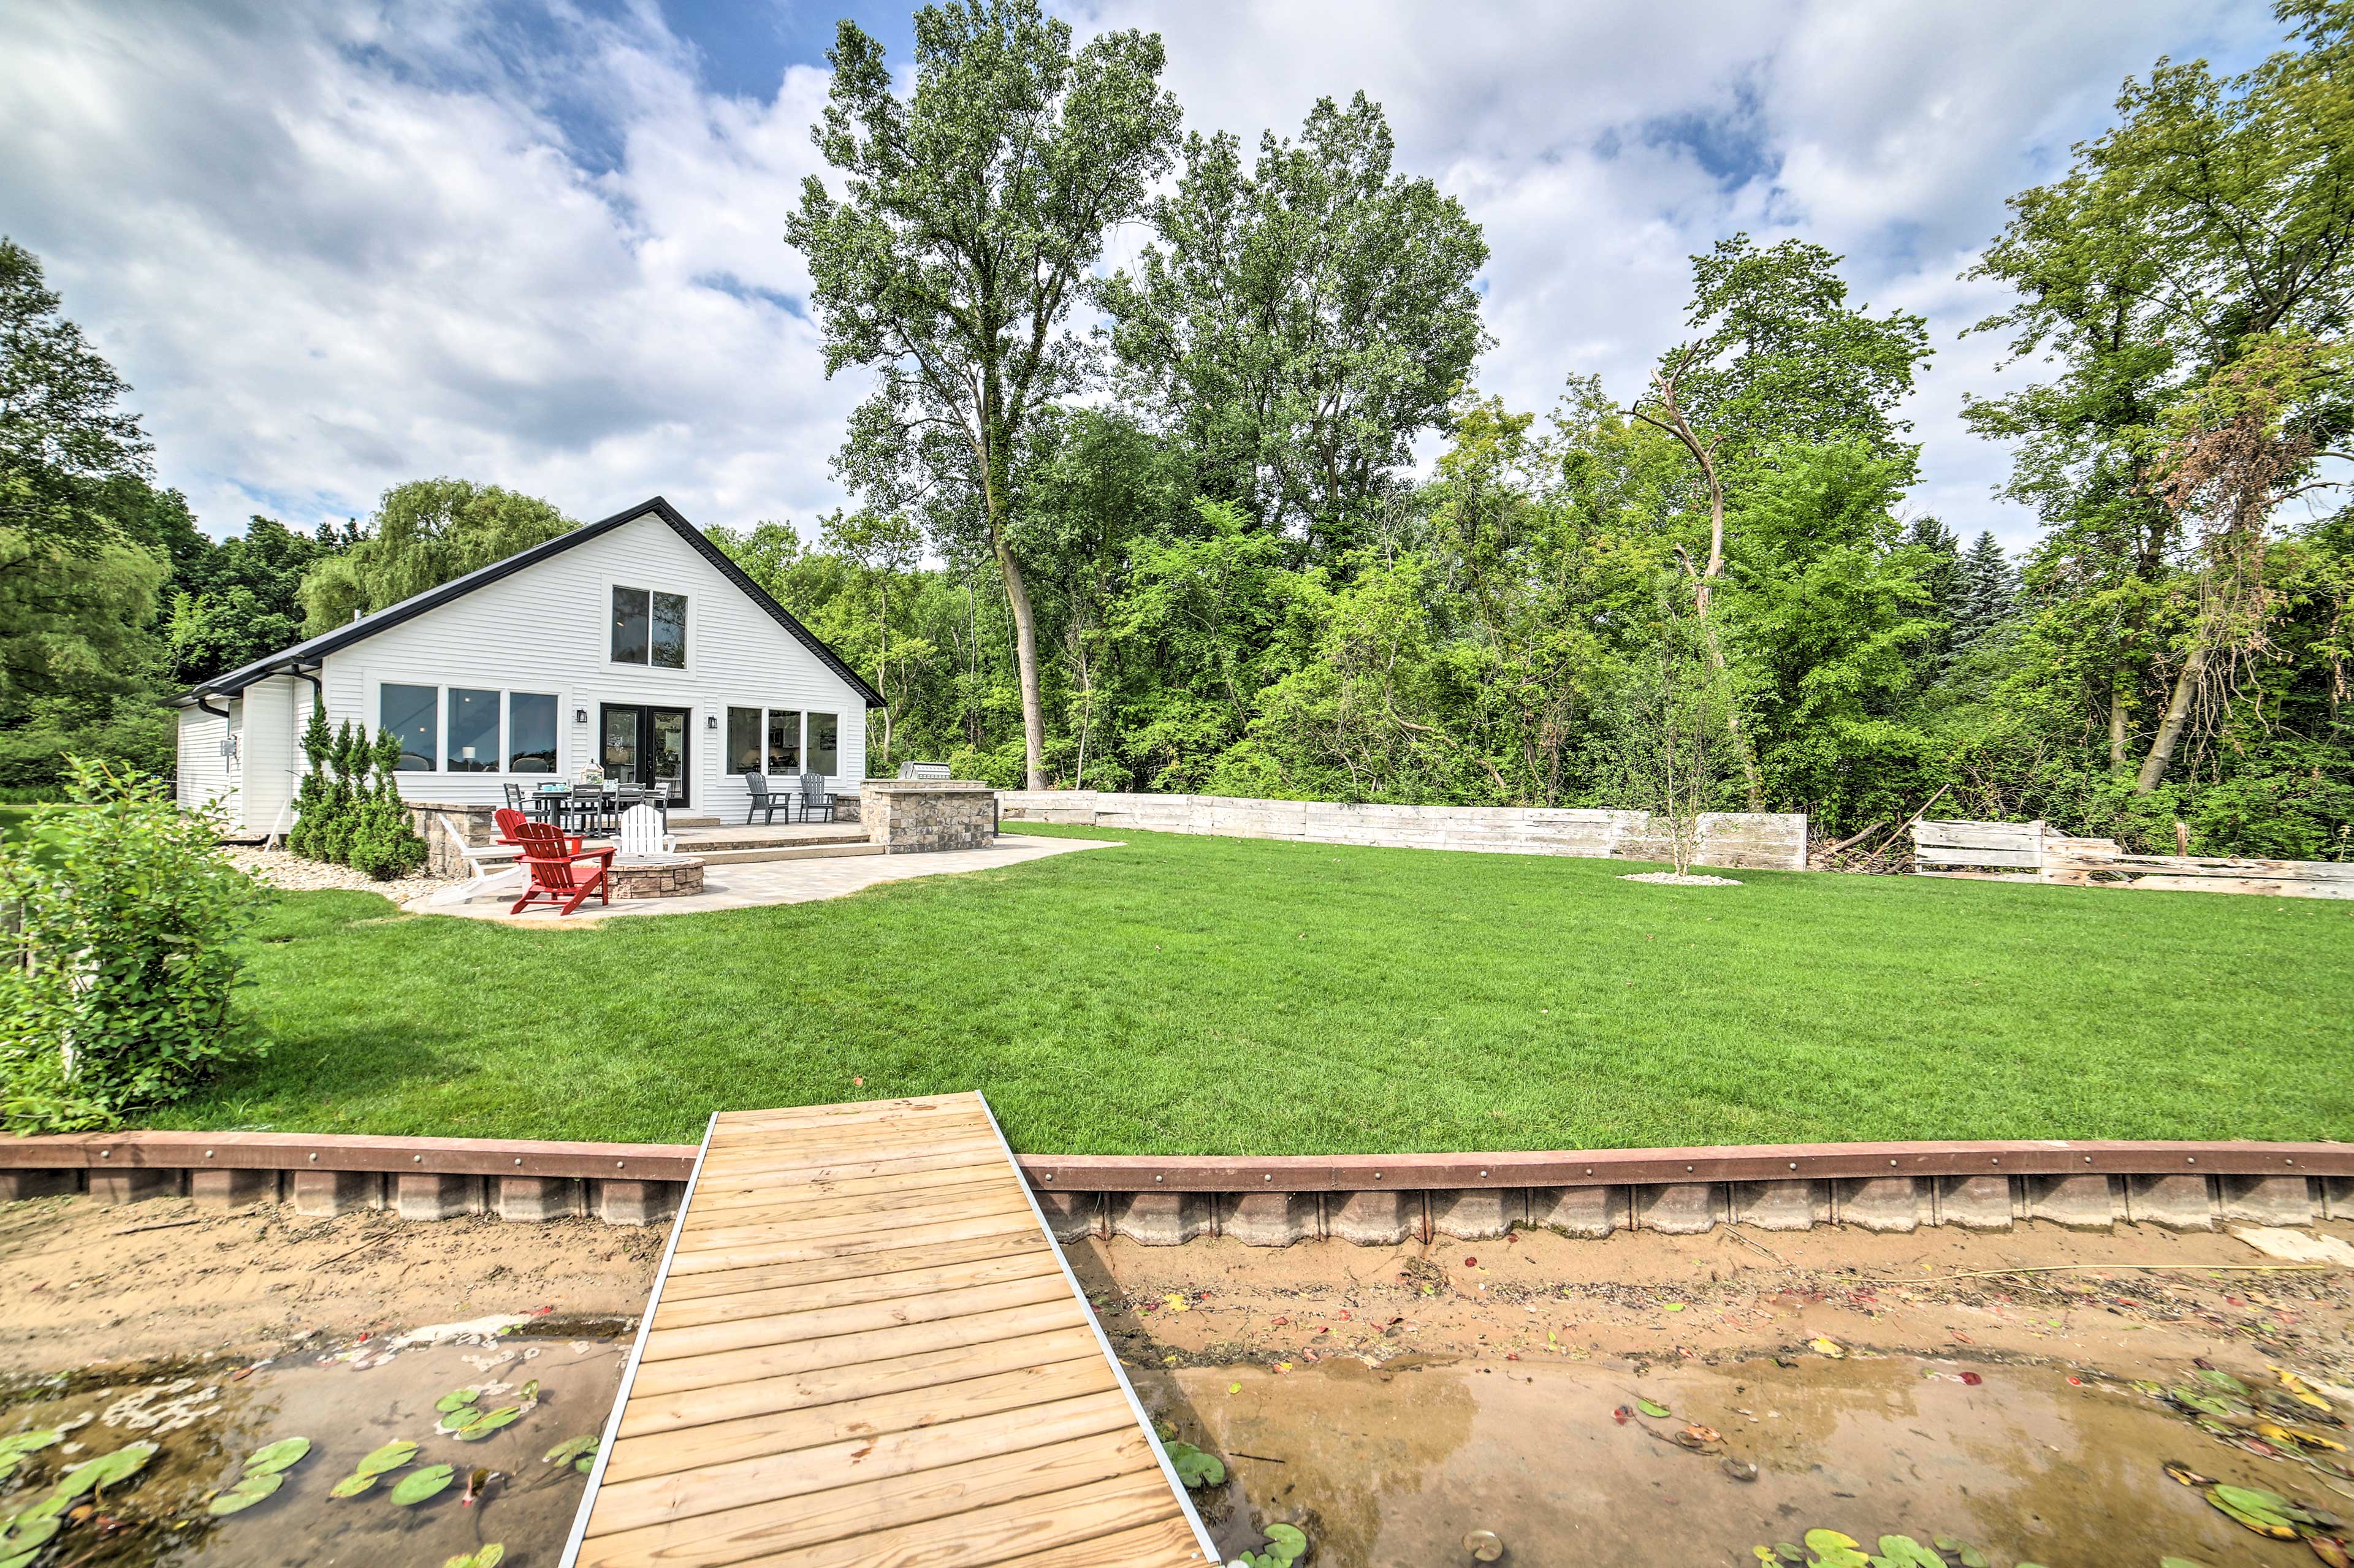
{"x": 2170, "y": 728}
{"x": 1026, "y": 659}
{"x": 2120, "y": 696}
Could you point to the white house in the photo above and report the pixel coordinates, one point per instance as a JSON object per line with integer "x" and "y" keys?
{"x": 632, "y": 643}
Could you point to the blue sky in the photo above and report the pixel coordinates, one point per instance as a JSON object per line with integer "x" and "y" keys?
{"x": 336, "y": 245}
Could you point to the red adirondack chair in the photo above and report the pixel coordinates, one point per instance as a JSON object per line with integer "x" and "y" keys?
{"x": 508, "y": 819}
{"x": 556, "y": 868}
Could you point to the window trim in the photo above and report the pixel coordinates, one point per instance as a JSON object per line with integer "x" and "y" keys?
{"x": 440, "y": 688}
{"x": 647, "y": 587}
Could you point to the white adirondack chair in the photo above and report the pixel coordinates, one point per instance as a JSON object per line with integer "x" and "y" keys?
{"x": 488, "y": 863}
{"x": 642, "y": 833}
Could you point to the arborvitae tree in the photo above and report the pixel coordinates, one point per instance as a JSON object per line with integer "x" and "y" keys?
{"x": 1990, "y": 591}
{"x": 382, "y": 844}
{"x": 348, "y": 757}
{"x": 311, "y": 807}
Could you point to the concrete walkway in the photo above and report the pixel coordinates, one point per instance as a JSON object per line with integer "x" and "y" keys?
{"x": 773, "y": 881}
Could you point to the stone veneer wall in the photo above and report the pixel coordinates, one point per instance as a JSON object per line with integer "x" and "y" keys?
{"x": 442, "y": 858}
{"x": 915, "y": 815}
{"x": 1773, "y": 841}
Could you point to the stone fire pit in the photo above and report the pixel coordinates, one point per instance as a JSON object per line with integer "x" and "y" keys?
{"x": 654, "y": 876}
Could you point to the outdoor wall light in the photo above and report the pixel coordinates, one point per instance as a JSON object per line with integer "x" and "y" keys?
{"x": 580, "y": 715}
{"x": 711, "y": 721}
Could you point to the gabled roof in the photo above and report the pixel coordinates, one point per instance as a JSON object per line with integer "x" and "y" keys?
{"x": 310, "y": 651}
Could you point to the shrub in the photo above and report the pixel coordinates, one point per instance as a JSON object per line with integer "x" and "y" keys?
{"x": 383, "y": 845}
{"x": 118, "y": 992}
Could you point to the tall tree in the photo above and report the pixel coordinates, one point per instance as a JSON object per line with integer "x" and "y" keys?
{"x": 973, "y": 212}
{"x": 1780, "y": 359}
{"x": 62, "y": 438}
{"x": 887, "y": 546}
{"x": 1296, "y": 325}
{"x": 424, "y": 534}
{"x": 2215, "y": 213}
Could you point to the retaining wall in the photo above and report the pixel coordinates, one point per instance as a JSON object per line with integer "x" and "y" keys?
{"x": 1371, "y": 1200}
{"x": 1766, "y": 840}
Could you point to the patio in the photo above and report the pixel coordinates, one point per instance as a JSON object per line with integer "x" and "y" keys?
{"x": 744, "y": 867}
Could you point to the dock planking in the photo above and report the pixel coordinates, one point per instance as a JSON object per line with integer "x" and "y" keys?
{"x": 863, "y": 1350}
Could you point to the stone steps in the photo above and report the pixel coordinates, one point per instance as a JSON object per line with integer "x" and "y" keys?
{"x": 750, "y": 854}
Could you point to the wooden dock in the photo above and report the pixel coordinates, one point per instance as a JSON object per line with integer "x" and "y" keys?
{"x": 863, "y": 1349}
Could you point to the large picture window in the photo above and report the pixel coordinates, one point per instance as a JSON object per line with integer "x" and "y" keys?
{"x": 408, "y": 713}
{"x": 784, "y": 740}
{"x": 744, "y": 740}
{"x": 649, "y": 628}
{"x": 825, "y": 744}
{"x": 531, "y": 732}
{"x": 474, "y": 731}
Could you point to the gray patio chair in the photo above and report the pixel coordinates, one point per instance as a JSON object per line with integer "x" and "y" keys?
{"x": 814, "y": 798}
{"x": 765, "y": 799}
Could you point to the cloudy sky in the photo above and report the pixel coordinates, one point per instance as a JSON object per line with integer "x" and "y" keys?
{"x": 334, "y": 245}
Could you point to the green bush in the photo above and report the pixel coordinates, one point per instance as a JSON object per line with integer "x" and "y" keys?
{"x": 118, "y": 988}
{"x": 383, "y": 845}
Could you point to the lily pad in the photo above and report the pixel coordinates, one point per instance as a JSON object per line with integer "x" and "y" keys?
{"x": 106, "y": 1470}
{"x": 488, "y": 1422}
{"x": 573, "y": 1451}
{"x": 1286, "y": 1542}
{"x": 419, "y": 1484}
{"x": 2224, "y": 1381}
{"x": 457, "y": 1399}
{"x": 1195, "y": 1468}
{"x": 391, "y": 1456}
{"x": 490, "y": 1556}
{"x": 1651, "y": 1408}
{"x": 352, "y": 1486}
{"x": 282, "y": 1455}
{"x": 246, "y": 1493}
{"x": 17, "y": 1446}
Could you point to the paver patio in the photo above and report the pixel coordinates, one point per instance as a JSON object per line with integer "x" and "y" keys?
{"x": 744, "y": 885}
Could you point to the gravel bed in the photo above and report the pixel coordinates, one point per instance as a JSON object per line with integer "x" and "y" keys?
{"x": 296, "y": 875}
{"x": 1672, "y": 880}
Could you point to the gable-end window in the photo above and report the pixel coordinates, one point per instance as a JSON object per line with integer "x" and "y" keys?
{"x": 650, "y": 628}
{"x": 825, "y": 739}
{"x": 670, "y": 631}
{"x": 531, "y": 732}
{"x": 743, "y": 740}
{"x": 408, "y": 712}
{"x": 630, "y": 616}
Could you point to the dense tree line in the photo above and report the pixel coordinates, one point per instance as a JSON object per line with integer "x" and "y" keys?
{"x": 1161, "y": 527}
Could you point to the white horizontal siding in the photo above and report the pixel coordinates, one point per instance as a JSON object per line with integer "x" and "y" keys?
{"x": 545, "y": 629}
{"x": 203, "y": 775}
{"x": 270, "y": 749}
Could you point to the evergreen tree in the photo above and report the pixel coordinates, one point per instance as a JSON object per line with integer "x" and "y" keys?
{"x": 1941, "y": 577}
{"x": 310, "y": 799}
{"x": 1989, "y": 592}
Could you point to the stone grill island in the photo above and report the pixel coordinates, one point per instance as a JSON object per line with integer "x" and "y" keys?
{"x": 907, "y": 816}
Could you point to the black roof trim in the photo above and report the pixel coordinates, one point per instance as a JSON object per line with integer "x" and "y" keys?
{"x": 311, "y": 651}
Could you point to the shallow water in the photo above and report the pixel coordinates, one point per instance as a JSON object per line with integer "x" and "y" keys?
{"x": 1391, "y": 1469}
{"x": 346, "y": 1410}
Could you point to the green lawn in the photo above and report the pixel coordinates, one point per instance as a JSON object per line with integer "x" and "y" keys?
{"x": 1197, "y": 995}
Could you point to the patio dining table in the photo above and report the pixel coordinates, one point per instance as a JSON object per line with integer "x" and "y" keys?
{"x": 586, "y": 808}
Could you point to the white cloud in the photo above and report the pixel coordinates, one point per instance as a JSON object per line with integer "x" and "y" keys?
{"x": 337, "y": 248}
